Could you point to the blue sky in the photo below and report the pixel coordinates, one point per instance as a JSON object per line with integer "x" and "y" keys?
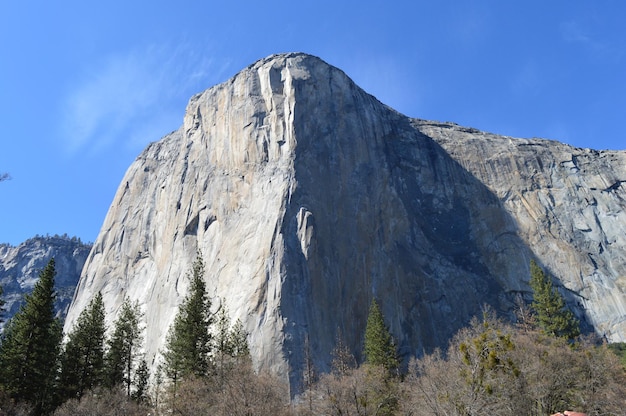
{"x": 85, "y": 86}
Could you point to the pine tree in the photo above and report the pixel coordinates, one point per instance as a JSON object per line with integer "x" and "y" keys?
{"x": 379, "y": 346}
{"x": 240, "y": 350}
{"x": 82, "y": 362}
{"x": 30, "y": 347}
{"x": 188, "y": 342}
{"x": 142, "y": 377}
{"x": 221, "y": 338}
{"x": 222, "y": 344}
{"x": 229, "y": 341}
{"x": 553, "y": 317}
{"x": 123, "y": 347}
{"x": 1, "y": 303}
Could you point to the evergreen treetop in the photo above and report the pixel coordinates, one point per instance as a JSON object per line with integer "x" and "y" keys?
{"x": 189, "y": 339}
{"x": 229, "y": 345}
{"x": 124, "y": 347}
{"x": 1, "y": 303}
{"x": 142, "y": 378}
{"x": 553, "y": 317}
{"x": 30, "y": 346}
{"x": 229, "y": 340}
{"x": 239, "y": 341}
{"x": 380, "y": 349}
{"x": 82, "y": 363}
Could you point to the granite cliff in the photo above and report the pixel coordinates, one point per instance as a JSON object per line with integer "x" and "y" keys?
{"x": 20, "y": 266}
{"x": 307, "y": 197}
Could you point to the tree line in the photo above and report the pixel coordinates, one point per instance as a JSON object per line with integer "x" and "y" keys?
{"x": 40, "y": 375}
{"x": 536, "y": 366}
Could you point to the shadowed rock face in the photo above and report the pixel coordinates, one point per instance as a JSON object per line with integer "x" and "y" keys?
{"x": 20, "y": 267}
{"x": 307, "y": 197}
{"x": 569, "y": 207}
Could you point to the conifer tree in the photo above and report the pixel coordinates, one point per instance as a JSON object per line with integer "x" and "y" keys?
{"x": 222, "y": 345}
{"x": 188, "y": 342}
{"x": 240, "y": 349}
{"x": 30, "y": 347}
{"x": 221, "y": 338}
{"x": 142, "y": 377}
{"x": 82, "y": 362}
{"x": 229, "y": 341}
{"x": 124, "y": 346}
{"x": 379, "y": 346}
{"x": 553, "y": 317}
{"x": 1, "y": 303}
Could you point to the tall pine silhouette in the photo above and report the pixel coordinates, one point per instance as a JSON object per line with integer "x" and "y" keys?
{"x": 124, "y": 346}
{"x": 1, "y": 303}
{"x": 82, "y": 361}
{"x": 553, "y": 317}
{"x": 30, "y": 347}
{"x": 380, "y": 349}
{"x": 189, "y": 340}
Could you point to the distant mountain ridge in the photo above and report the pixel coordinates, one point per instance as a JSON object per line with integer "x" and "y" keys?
{"x": 307, "y": 198}
{"x": 20, "y": 266}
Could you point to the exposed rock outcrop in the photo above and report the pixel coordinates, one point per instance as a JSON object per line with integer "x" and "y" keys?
{"x": 20, "y": 266}
{"x": 308, "y": 197}
{"x": 569, "y": 207}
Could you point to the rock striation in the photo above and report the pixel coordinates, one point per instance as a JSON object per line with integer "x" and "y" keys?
{"x": 569, "y": 207}
{"x": 20, "y": 266}
{"x": 307, "y": 197}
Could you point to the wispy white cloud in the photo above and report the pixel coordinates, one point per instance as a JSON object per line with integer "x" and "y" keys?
{"x": 133, "y": 98}
{"x": 574, "y": 32}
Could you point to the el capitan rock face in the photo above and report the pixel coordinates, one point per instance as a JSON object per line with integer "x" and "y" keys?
{"x": 307, "y": 197}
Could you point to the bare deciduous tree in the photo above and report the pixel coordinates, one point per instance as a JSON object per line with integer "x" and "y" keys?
{"x": 493, "y": 368}
{"x": 9, "y": 407}
{"x": 363, "y": 391}
{"x": 240, "y": 392}
{"x": 104, "y": 402}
